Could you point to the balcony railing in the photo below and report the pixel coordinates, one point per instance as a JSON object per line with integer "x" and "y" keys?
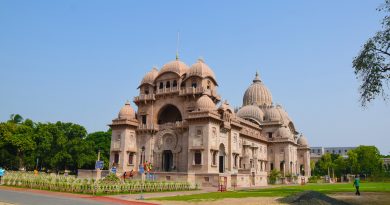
{"x": 145, "y": 97}
{"x": 191, "y": 91}
{"x": 167, "y": 90}
{"x": 169, "y": 125}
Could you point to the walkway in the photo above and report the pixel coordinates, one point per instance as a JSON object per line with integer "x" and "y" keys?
{"x": 22, "y": 196}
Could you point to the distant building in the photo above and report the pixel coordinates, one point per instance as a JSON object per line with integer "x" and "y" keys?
{"x": 386, "y": 162}
{"x": 317, "y": 152}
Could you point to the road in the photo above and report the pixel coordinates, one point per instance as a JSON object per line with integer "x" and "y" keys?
{"x": 36, "y": 197}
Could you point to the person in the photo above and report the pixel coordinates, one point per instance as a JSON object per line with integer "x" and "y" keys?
{"x": 356, "y": 184}
{"x": 124, "y": 176}
{"x": 131, "y": 174}
{"x": 1, "y": 174}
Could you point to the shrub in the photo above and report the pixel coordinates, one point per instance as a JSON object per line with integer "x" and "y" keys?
{"x": 274, "y": 175}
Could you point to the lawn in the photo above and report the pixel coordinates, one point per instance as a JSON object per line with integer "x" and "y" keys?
{"x": 280, "y": 191}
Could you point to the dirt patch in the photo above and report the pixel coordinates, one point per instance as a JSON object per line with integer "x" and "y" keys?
{"x": 372, "y": 198}
{"x": 311, "y": 198}
{"x": 228, "y": 201}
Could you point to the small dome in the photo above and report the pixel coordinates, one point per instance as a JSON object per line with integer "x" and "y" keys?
{"x": 150, "y": 77}
{"x": 175, "y": 66}
{"x": 201, "y": 69}
{"x": 302, "y": 141}
{"x": 272, "y": 114}
{"x": 284, "y": 132}
{"x": 205, "y": 103}
{"x": 251, "y": 112}
{"x": 283, "y": 114}
{"x": 226, "y": 106}
{"x": 257, "y": 94}
{"x": 126, "y": 112}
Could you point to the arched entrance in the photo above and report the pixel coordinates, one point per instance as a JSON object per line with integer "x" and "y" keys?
{"x": 167, "y": 160}
{"x": 221, "y": 158}
{"x": 169, "y": 113}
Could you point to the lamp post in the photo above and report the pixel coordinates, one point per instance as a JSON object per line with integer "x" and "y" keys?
{"x": 141, "y": 170}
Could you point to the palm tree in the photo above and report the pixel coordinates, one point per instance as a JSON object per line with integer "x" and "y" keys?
{"x": 16, "y": 118}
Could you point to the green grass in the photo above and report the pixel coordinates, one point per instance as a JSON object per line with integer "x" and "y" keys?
{"x": 280, "y": 191}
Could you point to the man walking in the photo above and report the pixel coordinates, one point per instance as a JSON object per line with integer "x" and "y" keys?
{"x": 356, "y": 184}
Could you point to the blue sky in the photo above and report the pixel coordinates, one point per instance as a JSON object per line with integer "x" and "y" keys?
{"x": 79, "y": 61}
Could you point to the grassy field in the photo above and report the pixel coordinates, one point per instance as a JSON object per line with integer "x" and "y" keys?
{"x": 280, "y": 191}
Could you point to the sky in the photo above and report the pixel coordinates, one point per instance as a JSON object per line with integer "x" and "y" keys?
{"x": 79, "y": 61}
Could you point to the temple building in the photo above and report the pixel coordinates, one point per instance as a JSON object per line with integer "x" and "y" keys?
{"x": 187, "y": 133}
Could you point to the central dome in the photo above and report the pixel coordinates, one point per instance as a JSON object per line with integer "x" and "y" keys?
{"x": 175, "y": 66}
{"x": 257, "y": 94}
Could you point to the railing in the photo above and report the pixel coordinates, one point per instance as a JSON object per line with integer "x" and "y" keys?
{"x": 167, "y": 90}
{"x": 191, "y": 91}
{"x": 147, "y": 127}
{"x": 169, "y": 125}
{"x": 145, "y": 97}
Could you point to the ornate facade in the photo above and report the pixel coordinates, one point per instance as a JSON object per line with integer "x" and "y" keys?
{"x": 183, "y": 129}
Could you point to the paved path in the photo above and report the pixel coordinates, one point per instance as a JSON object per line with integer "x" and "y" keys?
{"x": 20, "y": 196}
{"x": 133, "y": 197}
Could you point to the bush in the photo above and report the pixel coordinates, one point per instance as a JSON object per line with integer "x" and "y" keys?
{"x": 111, "y": 178}
{"x": 314, "y": 179}
{"x": 274, "y": 175}
{"x": 109, "y": 185}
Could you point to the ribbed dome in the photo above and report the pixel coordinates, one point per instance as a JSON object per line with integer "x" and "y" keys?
{"x": 284, "y": 132}
{"x": 201, "y": 69}
{"x": 205, "y": 103}
{"x": 257, "y": 94}
{"x": 272, "y": 114}
{"x": 283, "y": 114}
{"x": 126, "y": 112}
{"x": 302, "y": 141}
{"x": 175, "y": 66}
{"x": 251, "y": 112}
{"x": 150, "y": 77}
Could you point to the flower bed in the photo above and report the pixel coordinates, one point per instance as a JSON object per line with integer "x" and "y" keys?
{"x": 88, "y": 186}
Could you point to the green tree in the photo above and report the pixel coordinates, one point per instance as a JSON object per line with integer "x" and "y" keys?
{"x": 101, "y": 141}
{"x": 16, "y": 118}
{"x": 372, "y": 64}
{"x": 340, "y": 166}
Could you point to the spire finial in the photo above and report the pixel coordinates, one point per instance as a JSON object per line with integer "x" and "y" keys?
{"x": 257, "y": 78}
{"x": 127, "y": 102}
{"x": 177, "y": 46}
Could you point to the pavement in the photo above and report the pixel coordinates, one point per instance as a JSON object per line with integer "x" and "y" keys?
{"x": 132, "y": 197}
{"x": 22, "y": 196}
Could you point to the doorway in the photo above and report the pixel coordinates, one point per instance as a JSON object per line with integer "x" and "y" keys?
{"x": 167, "y": 160}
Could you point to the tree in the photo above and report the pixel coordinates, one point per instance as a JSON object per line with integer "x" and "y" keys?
{"x": 102, "y": 142}
{"x": 16, "y": 118}
{"x": 372, "y": 64}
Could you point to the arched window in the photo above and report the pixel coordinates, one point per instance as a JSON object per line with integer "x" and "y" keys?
{"x": 168, "y": 85}
{"x": 161, "y": 85}
{"x": 169, "y": 113}
{"x": 174, "y": 84}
